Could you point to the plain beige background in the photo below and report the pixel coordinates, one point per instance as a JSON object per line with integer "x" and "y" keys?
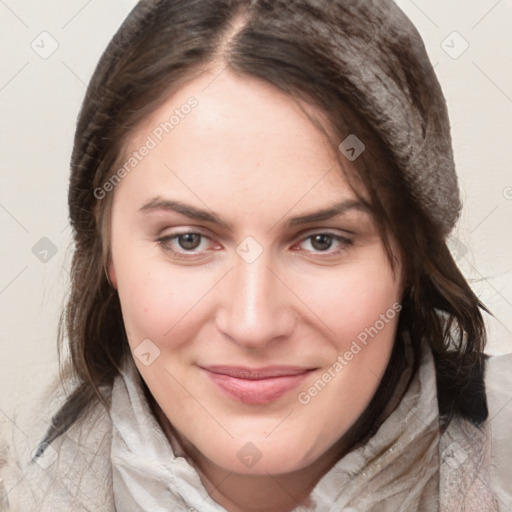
{"x": 48, "y": 53}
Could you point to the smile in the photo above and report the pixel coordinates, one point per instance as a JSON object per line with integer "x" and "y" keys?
{"x": 258, "y": 385}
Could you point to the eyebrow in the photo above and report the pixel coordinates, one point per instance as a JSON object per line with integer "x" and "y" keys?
{"x": 159, "y": 203}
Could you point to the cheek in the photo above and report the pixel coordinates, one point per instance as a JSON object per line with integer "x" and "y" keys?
{"x": 363, "y": 328}
{"x": 157, "y": 301}
{"x": 354, "y": 300}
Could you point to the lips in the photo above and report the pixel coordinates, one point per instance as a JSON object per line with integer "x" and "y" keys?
{"x": 256, "y": 385}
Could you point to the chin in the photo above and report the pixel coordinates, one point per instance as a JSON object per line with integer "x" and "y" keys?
{"x": 262, "y": 458}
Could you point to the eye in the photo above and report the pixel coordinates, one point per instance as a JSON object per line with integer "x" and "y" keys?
{"x": 189, "y": 241}
{"x": 323, "y": 242}
{"x": 194, "y": 244}
{"x": 185, "y": 245}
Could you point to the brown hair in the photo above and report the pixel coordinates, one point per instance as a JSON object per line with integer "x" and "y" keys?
{"x": 310, "y": 49}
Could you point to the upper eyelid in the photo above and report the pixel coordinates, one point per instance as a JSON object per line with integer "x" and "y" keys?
{"x": 326, "y": 231}
{"x": 302, "y": 234}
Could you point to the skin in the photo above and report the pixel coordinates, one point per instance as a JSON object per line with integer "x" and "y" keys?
{"x": 248, "y": 153}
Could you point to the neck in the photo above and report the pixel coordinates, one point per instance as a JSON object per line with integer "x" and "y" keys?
{"x": 254, "y": 493}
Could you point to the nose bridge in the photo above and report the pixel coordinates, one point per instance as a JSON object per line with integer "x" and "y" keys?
{"x": 255, "y": 310}
{"x": 252, "y": 287}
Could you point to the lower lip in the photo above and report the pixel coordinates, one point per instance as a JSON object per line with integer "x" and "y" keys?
{"x": 260, "y": 391}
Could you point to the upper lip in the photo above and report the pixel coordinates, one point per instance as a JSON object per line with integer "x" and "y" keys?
{"x": 267, "y": 372}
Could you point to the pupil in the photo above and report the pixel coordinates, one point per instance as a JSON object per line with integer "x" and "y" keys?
{"x": 189, "y": 240}
{"x": 322, "y": 242}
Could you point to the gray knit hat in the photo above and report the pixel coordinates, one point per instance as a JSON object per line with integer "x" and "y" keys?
{"x": 404, "y": 103}
{"x": 365, "y": 53}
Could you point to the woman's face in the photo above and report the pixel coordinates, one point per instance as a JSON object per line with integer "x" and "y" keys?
{"x": 261, "y": 326}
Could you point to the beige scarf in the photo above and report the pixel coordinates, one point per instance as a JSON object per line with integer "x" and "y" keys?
{"x": 406, "y": 466}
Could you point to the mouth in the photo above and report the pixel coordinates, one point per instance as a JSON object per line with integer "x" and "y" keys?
{"x": 256, "y": 385}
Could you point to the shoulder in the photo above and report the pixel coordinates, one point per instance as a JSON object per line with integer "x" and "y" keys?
{"x": 73, "y": 474}
{"x": 498, "y": 383}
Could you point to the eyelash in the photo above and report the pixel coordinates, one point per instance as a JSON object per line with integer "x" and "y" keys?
{"x": 164, "y": 243}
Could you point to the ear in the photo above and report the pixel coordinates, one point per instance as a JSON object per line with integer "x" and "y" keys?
{"x": 112, "y": 274}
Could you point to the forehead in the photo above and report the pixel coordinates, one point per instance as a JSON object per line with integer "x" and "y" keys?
{"x": 237, "y": 137}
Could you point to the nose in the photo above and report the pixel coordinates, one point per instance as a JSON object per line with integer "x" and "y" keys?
{"x": 256, "y": 306}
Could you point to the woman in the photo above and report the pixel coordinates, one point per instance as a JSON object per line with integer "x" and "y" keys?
{"x": 264, "y": 314}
